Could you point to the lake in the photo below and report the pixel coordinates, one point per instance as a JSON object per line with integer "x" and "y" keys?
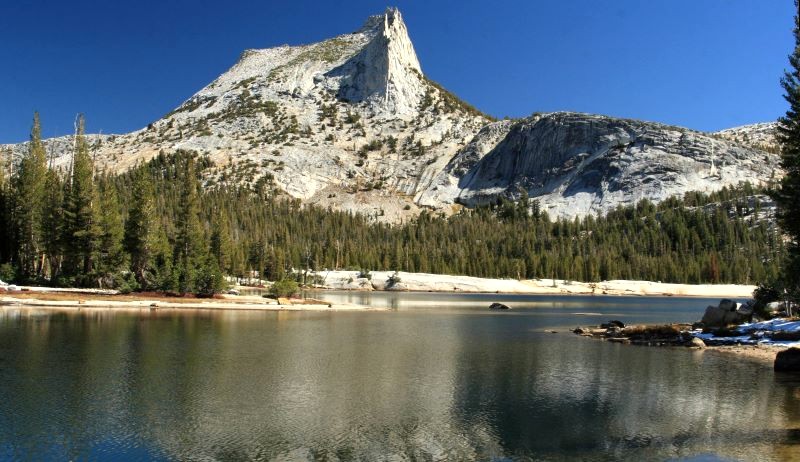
{"x": 439, "y": 377}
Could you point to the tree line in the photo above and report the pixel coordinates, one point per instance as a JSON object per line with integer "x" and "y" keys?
{"x": 156, "y": 227}
{"x": 70, "y": 228}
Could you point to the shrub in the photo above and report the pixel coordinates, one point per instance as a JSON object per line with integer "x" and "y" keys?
{"x": 7, "y": 272}
{"x": 209, "y": 279}
{"x": 394, "y": 279}
{"x": 365, "y": 274}
{"x": 283, "y": 288}
{"x": 763, "y": 295}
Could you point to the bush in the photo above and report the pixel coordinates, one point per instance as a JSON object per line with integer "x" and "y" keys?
{"x": 209, "y": 279}
{"x": 7, "y": 272}
{"x": 394, "y": 279}
{"x": 763, "y": 295}
{"x": 364, "y": 274}
{"x": 283, "y": 288}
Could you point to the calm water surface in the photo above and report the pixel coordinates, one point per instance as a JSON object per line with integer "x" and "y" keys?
{"x": 437, "y": 378}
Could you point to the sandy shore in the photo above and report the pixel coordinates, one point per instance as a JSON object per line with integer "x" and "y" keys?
{"x": 762, "y": 353}
{"x": 423, "y": 282}
{"x": 78, "y": 301}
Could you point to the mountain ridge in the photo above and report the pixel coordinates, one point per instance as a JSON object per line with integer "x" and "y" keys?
{"x": 352, "y": 122}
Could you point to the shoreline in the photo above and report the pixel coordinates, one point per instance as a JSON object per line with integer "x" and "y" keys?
{"x": 443, "y": 283}
{"x": 749, "y": 341}
{"x": 118, "y": 302}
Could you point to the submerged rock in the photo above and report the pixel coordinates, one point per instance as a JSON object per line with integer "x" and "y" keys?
{"x": 499, "y": 306}
{"x": 788, "y": 360}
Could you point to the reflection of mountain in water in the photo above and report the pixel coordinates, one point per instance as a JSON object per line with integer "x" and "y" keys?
{"x": 341, "y": 386}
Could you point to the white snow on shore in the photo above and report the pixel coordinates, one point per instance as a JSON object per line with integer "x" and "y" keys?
{"x": 756, "y": 333}
{"x": 424, "y": 282}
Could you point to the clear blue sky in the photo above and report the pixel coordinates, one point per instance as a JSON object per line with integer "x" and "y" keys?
{"x": 704, "y": 64}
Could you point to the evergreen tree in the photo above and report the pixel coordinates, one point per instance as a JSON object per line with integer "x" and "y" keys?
{"x": 52, "y": 220}
{"x": 6, "y": 247}
{"x": 140, "y": 239}
{"x": 111, "y": 254}
{"x": 27, "y": 197}
{"x": 788, "y": 194}
{"x": 190, "y": 249}
{"x": 221, "y": 245}
{"x": 81, "y": 214}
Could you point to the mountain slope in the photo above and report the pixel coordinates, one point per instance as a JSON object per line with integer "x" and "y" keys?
{"x": 579, "y": 164}
{"x": 353, "y": 123}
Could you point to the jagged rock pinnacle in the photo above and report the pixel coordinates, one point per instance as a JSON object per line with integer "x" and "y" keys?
{"x": 386, "y": 73}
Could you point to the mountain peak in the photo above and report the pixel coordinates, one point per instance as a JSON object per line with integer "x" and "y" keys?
{"x": 386, "y": 72}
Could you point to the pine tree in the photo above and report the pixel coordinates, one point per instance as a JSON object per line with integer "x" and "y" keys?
{"x": 52, "y": 221}
{"x": 81, "y": 214}
{"x": 788, "y": 194}
{"x": 5, "y": 211}
{"x": 221, "y": 245}
{"x": 190, "y": 249}
{"x": 111, "y": 258}
{"x": 27, "y": 197}
{"x": 140, "y": 230}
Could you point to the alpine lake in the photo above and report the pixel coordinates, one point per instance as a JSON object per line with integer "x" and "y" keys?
{"x": 436, "y": 377}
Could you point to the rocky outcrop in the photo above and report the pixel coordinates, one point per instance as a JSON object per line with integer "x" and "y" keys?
{"x": 386, "y": 71}
{"x": 580, "y": 164}
{"x": 726, "y": 313}
{"x": 761, "y": 136}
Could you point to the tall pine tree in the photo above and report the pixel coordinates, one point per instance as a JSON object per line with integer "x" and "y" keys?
{"x": 788, "y": 194}
{"x": 141, "y": 231}
{"x": 5, "y": 217}
{"x": 81, "y": 214}
{"x": 221, "y": 245}
{"x": 190, "y": 247}
{"x": 27, "y": 197}
{"x": 111, "y": 257}
{"x": 52, "y": 221}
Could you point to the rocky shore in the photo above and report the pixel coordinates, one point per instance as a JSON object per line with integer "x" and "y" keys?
{"x": 762, "y": 340}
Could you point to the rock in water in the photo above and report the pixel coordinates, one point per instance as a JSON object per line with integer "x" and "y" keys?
{"x": 499, "y": 306}
{"x": 698, "y": 343}
{"x": 788, "y": 360}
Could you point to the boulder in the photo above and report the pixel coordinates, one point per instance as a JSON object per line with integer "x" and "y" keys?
{"x": 613, "y": 331}
{"x": 499, "y": 306}
{"x": 698, "y": 342}
{"x": 774, "y": 307}
{"x": 727, "y": 312}
{"x": 788, "y": 360}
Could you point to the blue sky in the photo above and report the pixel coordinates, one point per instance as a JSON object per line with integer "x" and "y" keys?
{"x": 704, "y": 64}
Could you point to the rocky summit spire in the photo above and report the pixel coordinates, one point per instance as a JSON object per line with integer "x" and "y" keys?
{"x": 386, "y": 72}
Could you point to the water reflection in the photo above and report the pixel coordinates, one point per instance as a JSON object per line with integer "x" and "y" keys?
{"x": 414, "y": 383}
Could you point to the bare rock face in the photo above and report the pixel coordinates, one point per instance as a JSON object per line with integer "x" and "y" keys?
{"x": 761, "y": 136}
{"x": 386, "y": 71}
{"x": 581, "y": 164}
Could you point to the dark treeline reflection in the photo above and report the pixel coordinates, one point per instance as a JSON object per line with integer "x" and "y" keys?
{"x": 416, "y": 384}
